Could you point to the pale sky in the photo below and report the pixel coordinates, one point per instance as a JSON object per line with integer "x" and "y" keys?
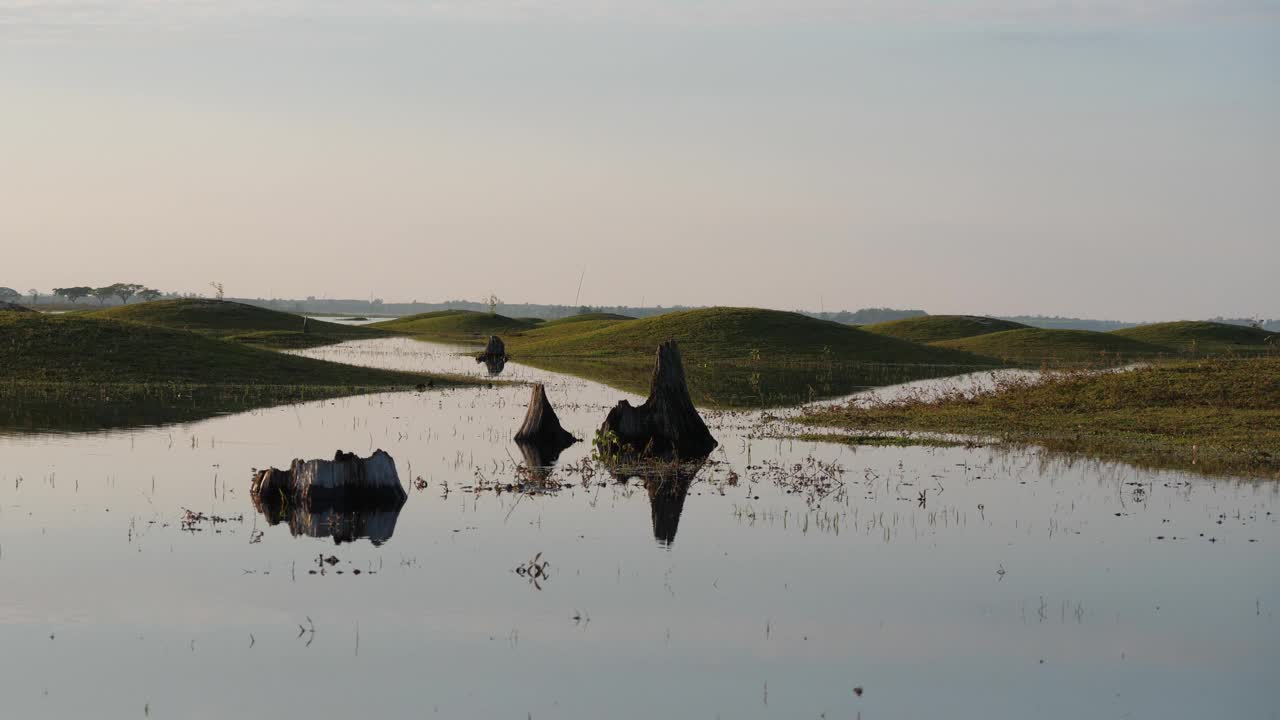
{"x": 1105, "y": 158}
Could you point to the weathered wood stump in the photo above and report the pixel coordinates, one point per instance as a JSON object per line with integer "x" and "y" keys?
{"x": 541, "y": 426}
{"x": 344, "y": 482}
{"x": 667, "y": 424}
{"x": 495, "y": 348}
{"x": 494, "y": 356}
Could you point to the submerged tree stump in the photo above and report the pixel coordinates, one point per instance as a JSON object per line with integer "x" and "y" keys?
{"x": 345, "y": 481}
{"x": 541, "y": 426}
{"x": 667, "y": 424}
{"x": 494, "y": 348}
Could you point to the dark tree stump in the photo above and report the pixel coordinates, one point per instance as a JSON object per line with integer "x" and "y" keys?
{"x": 667, "y": 424}
{"x": 494, "y": 348}
{"x": 542, "y": 427}
{"x": 344, "y": 482}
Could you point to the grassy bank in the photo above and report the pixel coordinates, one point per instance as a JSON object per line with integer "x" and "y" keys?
{"x": 247, "y": 324}
{"x": 1194, "y": 338}
{"x": 1072, "y": 347}
{"x": 89, "y": 351}
{"x": 1219, "y": 415}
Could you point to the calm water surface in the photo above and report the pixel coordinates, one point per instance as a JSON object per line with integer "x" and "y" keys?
{"x": 958, "y": 583}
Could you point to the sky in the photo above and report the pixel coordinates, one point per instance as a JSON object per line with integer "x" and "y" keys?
{"x": 1116, "y": 159}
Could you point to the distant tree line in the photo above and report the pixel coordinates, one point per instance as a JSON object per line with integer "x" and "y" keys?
{"x": 865, "y": 316}
{"x": 121, "y": 292}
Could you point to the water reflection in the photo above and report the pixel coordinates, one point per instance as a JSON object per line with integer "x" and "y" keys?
{"x": 540, "y": 458}
{"x": 667, "y": 485}
{"x": 493, "y": 364}
{"x": 344, "y": 525}
{"x": 28, "y": 409}
{"x": 742, "y": 385}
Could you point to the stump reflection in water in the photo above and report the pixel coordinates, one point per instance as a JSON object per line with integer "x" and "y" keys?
{"x": 349, "y": 524}
{"x": 667, "y": 485}
{"x": 347, "y": 498}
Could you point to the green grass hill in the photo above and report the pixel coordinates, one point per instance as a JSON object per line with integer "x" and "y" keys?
{"x": 714, "y": 334}
{"x": 88, "y": 349}
{"x": 1203, "y": 337}
{"x": 456, "y": 325}
{"x": 247, "y": 324}
{"x": 588, "y": 317}
{"x": 933, "y": 328}
{"x": 12, "y": 307}
{"x": 1040, "y": 345}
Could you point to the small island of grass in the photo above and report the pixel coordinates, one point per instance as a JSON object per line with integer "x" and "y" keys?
{"x": 1214, "y": 415}
{"x": 247, "y": 324}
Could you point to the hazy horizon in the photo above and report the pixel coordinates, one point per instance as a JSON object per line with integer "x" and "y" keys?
{"x": 1112, "y": 160}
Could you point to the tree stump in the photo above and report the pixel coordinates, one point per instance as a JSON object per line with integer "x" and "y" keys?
{"x": 346, "y": 481}
{"x": 494, "y": 348}
{"x": 541, "y": 426}
{"x": 667, "y": 424}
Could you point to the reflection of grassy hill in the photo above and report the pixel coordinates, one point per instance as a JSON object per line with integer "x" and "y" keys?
{"x": 716, "y": 334}
{"x": 248, "y": 324}
{"x": 455, "y": 325}
{"x": 1203, "y": 337}
{"x": 88, "y": 350}
{"x": 738, "y": 385}
{"x": 1038, "y": 344}
{"x": 932, "y": 328}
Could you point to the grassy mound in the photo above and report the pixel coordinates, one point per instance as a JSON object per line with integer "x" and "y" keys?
{"x": 1035, "y": 345}
{"x": 933, "y": 328}
{"x": 1218, "y": 415}
{"x": 12, "y": 307}
{"x": 1203, "y": 337}
{"x": 236, "y": 321}
{"x": 88, "y": 350}
{"x": 713, "y": 334}
{"x": 588, "y": 317}
{"x": 456, "y": 325}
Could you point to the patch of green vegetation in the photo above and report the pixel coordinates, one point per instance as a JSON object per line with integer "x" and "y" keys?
{"x": 239, "y": 322}
{"x": 1217, "y": 415}
{"x": 717, "y": 334}
{"x": 883, "y": 440}
{"x": 934, "y": 328}
{"x": 455, "y": 325}
{"x": 1038, "y": 345}
{"x": 88, "y": 350}
{"x": 1204, "y": 337}
{"x": 588, "y": 317}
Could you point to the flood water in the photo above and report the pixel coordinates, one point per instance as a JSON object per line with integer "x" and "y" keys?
{"x": 792, "y": 580}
